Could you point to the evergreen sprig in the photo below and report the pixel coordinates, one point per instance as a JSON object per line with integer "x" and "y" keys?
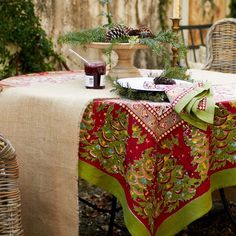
{"x": 175, "y": 72}
{"x": 84, "y": 37}
{"x": 137, "y": 94}
{"x": 158, "y": 44}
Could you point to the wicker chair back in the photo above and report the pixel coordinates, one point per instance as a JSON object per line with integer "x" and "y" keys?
{"x": 221, "y": 46}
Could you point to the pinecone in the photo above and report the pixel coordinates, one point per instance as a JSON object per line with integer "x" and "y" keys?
{"x": 145, "y": 32}
{"x": 118, "y": 31}
{"x": 163, "y": 80}
{"x": 127, "y": 29}
{"x": 134, "y": 32}
{"x": 141, "y": 32}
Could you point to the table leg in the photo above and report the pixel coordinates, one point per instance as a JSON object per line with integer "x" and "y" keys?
{"x": 114, "y": 209}
{"x": 113, "y": 215}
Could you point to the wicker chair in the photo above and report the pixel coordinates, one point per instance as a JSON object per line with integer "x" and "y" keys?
{"x": 221, "y": 46}
{"x": 10, "y": 202}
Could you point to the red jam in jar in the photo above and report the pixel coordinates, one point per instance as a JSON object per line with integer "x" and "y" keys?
{"x": 95, "y": 74}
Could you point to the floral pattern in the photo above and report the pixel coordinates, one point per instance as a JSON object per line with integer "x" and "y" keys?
{"x": 160, "y": 171}
{"x": 107, "y": 145}
{"x": 223, "y": 145}
{"x": 54, "y": 77}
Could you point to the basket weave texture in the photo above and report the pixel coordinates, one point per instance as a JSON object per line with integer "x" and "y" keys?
{"x": 10, "y": 201}
{"x": 221, "y": 46}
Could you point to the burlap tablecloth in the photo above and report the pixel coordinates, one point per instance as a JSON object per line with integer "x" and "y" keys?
{"x": 42, "y": 122}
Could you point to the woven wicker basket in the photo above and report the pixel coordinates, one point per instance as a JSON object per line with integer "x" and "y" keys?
{"x": 10, "y": 202}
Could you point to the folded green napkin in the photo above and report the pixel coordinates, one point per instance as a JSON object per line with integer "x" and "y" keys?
{"x": 194, "y": 103}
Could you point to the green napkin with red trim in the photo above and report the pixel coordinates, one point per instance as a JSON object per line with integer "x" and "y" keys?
{"x": 194, "y": 103}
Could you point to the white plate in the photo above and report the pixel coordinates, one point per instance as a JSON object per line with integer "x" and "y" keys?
{"x": 146, "y": 84}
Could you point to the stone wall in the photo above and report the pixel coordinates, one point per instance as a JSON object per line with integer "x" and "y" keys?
{"x": 61, "y": 16}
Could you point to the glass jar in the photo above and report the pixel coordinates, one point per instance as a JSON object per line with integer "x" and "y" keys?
{"x": 95, "y": 72}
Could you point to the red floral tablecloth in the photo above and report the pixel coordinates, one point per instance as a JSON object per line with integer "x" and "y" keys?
{"x": 52, "y": 77}
{"x": 161, "y": 169}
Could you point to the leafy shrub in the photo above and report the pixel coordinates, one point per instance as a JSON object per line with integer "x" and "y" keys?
{"x": 24, "y": 46}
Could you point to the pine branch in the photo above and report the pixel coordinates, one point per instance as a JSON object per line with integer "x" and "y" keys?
{"x": 137, "y": 94}
{"x": 175, "y": 72}
{"x": 84, "y": 37}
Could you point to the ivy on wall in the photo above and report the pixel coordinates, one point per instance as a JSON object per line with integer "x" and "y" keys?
{"x": 24, "y": 46}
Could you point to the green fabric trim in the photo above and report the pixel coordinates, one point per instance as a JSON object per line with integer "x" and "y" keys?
{"x": 111, "y": 185}
{"x": 187, "y": 107}
{"x": 223, "y": 179}
{"x": 173, "y": 224}
{"x": 186, "y": 215}
{"x": 198, "y": 207}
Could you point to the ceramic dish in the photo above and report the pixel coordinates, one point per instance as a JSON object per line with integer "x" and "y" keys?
{"x": 147, "y": 84}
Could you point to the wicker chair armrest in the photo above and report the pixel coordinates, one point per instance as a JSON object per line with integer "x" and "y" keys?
{"x": 7, "y": 152}
{"x": 10, "y": 201}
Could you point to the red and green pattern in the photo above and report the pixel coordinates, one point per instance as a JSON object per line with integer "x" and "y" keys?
{"x": 164, "y": 176}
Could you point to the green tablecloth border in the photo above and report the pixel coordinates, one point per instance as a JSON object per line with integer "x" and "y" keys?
{"x": 199, "y": 206}
{"x": 176, "y": 222}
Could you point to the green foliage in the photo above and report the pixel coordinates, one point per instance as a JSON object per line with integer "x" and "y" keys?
{"x": 157, "y": 44}
{"x": 24, "y": 46}
{"x": 84, "y": 37}
{"x": 141, "y": 95}
{"x": 137, "y": 94}
{"x": 233, "y": 8}
{"x": 154, "y": 44}
{"x": 175, "y": 72}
